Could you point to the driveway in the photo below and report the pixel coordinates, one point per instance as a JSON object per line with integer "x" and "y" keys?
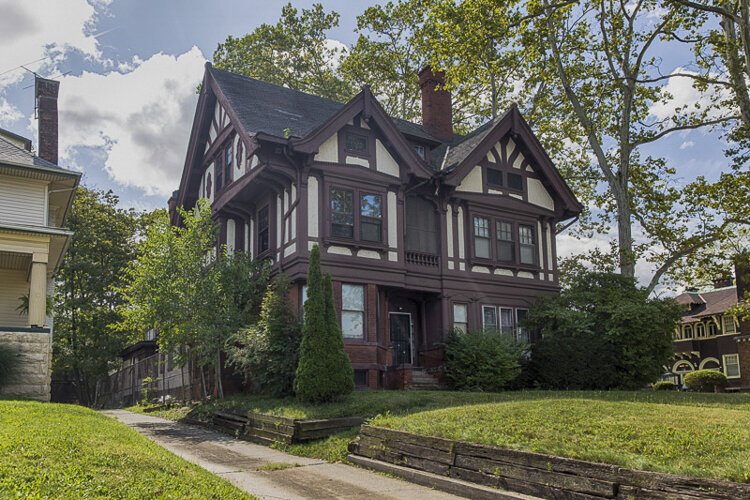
{"x": 269, "y": 473}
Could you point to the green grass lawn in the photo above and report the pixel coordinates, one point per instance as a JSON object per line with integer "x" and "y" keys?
{"x": 65, "y": 451}
{"x": 709, "y": 439}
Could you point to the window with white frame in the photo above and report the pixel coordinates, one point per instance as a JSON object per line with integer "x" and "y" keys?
{"x": 507, "y": 320}
{"x": 732, "y": 365}
{"x": 700, "y": 330}
{"x": 489, "y": 317}
{"x": 727, "y": 324}
{"x": 527, "y": 244}
{"x": 521, "y": 333}
{"x": 711, "y": 328}
{"x": 687, "y": 331}
{"x": 353, "y": 311}
{"x": 460, "y": 317}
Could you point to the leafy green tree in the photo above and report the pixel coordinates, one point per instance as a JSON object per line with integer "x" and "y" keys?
{"x": 324, "y": 372}
{"x": 267, "y": 352}
{"x": 86, "y": 345}
{"x": 592, "y": 72}
{"x": 603, "y": 332}
{"x": 294, "y": 52}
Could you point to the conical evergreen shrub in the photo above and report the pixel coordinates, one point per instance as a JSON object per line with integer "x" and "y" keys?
{"x": 324, "y": 372}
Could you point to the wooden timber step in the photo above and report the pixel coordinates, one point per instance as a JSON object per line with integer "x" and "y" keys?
{"x": 230, "y": 421}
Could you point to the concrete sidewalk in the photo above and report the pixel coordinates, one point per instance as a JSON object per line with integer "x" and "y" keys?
{"x": 239, "y": 463}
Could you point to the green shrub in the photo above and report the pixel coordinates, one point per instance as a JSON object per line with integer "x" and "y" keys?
{"x": 705, "y": 381}
{"x": 8, "y": 364}
{"x": 664, "y": 385}
{"x": 485, "y": 360}
{"x": 324, "y": 372}
{"x": 267, "y": 352}
{"x": 602, "y": 332}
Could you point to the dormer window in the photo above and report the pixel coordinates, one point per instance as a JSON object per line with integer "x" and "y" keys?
{"x": 515, "y": 181}
{"x": 357, "y": 144}
{"x": 419, "y": 149}
{"x": 494, "y": 177}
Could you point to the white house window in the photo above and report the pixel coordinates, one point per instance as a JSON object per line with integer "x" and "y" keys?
{"x": 711, "y": 328}
{"x": 353, "y": 311}
{"x": 521, "y": 333}
{"x": 732, "y": 365}
{"x": 489, "y": 317}
{"x": 528, "y": 244}
{"x": 482, "y": 237}
{"x": 460, "y": 315}
{"x": 700, "y": 330}
{"x": 727, "y": 323}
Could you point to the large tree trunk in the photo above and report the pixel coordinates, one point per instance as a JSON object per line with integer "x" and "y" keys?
{"x": 624, "y": 232}
{"x": 735, "y": 65}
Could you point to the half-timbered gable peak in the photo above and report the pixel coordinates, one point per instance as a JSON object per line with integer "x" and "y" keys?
{"x": 504, "y": 158}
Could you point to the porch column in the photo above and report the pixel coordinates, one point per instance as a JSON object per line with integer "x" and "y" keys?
{"x": 38, "y": 290}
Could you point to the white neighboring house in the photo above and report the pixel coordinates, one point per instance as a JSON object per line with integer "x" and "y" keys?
{"x": 35, "y": 197}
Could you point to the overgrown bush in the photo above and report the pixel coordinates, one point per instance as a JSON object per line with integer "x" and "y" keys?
{"x": 8, "y": 364}
{"x": 705, "y": 381}
{"x": 266, "y": 353}
{"x": 664, "y": 385}
{"x": 602, "y": 332}
{"x": 485, "y": 360}
{"x": 324, "y": 372}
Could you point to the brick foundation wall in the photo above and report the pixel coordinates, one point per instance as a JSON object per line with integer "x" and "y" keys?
{"x": 33, "y": 377}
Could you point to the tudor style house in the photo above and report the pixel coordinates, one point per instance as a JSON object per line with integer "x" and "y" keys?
{"x": 422, "y": 230}
{"x": 35, "y": 197}
{"x": 709, "y": 337}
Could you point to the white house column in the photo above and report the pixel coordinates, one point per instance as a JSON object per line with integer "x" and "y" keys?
{"x": 38, "y": 290}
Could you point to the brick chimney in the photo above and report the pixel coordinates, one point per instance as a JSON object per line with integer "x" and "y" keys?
{"x": 46, "y": 104}
{"x": 437, "y": 108}
{"x": 172, "y": 204}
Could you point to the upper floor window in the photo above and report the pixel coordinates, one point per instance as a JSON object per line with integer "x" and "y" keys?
{"x": 482, "y": 237}
{"x": 420, "y": 150}
{"x": 515, "y": 181}
{"x": 700, "y": 330}
{"x": 506, "y": 245}
{"x": 688, "y": 332}
{"x": 494, "y": 177}
{"x": 356, "y": 213}
{"x": 353, "y": 311}
{"x": 357, "y": 144}
{"x": 711, "y": 328}
{"x": 228, "y": 164}
{"x": 528, "y": 244}
{"x": 263, "y": 230}
{"x": 727, "y": 324}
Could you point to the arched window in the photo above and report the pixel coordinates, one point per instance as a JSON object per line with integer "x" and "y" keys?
{"x": 688, "y": 332}
{"x": 681, "y": 368}
{"x": 700, "y": 330}
{"x": 710, "y": 364}
{"x": 711, "y": 328}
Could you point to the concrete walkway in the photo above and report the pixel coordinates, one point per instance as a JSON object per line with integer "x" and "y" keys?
{"x": 248, "y": 466}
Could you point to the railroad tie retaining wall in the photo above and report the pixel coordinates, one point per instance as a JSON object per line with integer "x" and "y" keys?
{"x": 533, "y": 473}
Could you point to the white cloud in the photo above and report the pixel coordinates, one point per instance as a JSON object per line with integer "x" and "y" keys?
{"x": 687, "y": 98}
{"x": 141, "y": 118}
{"x": 687, "y": 145}
{"x": 8, "y": 112}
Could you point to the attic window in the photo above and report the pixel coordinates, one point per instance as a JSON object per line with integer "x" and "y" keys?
{"x": 419, "y": 149}
{"x": 515, "y": 181}
{"x": 356, "y": 143}
{"x": 494, "y": 177}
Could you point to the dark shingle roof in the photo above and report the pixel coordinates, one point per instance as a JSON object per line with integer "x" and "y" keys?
{"x": 272, "y": 109}
{"x": 707, "y": 303}
{"x": 9, "y": 152}
{"x": 462, "y": 147}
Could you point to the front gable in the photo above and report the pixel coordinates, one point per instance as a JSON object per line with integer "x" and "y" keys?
{"x": 362, "y": 134}
{"x": 508, "y": 161}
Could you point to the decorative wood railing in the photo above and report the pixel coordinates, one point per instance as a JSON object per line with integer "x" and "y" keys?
{"x": 422, "y": 259}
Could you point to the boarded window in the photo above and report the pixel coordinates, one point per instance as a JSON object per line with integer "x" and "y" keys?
{"x": 421, "y": 226}
{"x": 353, "y": 311}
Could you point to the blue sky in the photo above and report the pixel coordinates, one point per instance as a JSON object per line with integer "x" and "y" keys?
{"x": 130, "y": 69}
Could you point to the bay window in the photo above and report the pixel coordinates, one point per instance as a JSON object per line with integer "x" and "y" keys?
{"x": 482, "y": 237}
{"x": 506, "y": 245}
{"x": 528, "y": 244}
{"x": 504, "y": 242}
{"x": 371, "y": 217}
{"x": 356, "y": 215}
{"x": 342, "y": 213}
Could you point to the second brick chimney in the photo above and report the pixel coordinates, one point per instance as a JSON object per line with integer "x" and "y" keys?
{"x": 46, "y": 104}
{"x": 437, "y": 107}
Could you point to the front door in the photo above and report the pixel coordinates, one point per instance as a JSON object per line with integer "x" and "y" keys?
{"x": 400, "y": 328}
